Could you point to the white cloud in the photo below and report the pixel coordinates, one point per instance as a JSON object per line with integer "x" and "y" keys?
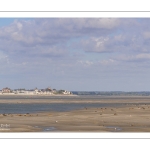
{"x": 108, "y": 62}
{"x": 141, "y": 57}
{"x": 146, "y": 35}
{"x": 85, "y": 63}
{"x": 95, "y": 44}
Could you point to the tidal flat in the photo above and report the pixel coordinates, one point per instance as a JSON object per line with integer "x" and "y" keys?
{"x": 91, "y": 114}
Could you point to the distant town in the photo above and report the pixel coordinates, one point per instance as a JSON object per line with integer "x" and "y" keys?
{"x": 36, "y": 91}
{"x": 50, "y": 91}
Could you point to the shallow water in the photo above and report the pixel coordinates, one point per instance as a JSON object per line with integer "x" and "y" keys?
{"x": 114, "y": 128}
{"x": 6, "y": 108}
{"x": 46, "y": 129}
{"x": 31, "y": 108}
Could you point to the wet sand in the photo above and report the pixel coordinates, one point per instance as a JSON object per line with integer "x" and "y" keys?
{"x": 132, "y": 116}
{"x": 74, "y": 99}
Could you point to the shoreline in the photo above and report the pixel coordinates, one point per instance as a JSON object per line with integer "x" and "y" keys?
{"x": 103, "y": 96}
{"x": 12, "y": 94}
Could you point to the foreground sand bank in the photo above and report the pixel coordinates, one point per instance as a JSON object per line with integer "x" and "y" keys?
{"x": 129, "y": 118}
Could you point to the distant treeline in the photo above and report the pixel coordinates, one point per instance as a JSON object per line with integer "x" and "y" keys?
{"x": 112, "y": 93}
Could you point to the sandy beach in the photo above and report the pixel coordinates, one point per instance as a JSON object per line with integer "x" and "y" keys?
{"x": 131, "y": 116}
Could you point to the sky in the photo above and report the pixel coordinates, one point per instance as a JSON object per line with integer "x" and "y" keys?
{"x": 75, "y": 54}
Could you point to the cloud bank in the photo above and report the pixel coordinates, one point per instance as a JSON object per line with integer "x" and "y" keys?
{"x": 73, "y": 53}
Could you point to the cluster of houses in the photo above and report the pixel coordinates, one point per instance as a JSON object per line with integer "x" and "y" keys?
{"x": 46, "y": 91}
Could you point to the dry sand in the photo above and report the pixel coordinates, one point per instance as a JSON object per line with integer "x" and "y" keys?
{"x": 127, "y": 118}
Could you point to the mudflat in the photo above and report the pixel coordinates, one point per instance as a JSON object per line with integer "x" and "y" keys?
{"x": 132, "y": 116}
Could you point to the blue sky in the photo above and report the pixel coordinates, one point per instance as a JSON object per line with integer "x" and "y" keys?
{"x": 93, "y": 54}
